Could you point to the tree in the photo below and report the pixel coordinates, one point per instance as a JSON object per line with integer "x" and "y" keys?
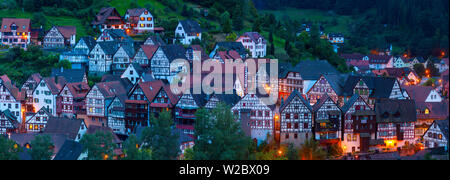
{"x": 41, "y": 148}
{"x": 257, "y": 25}
{"x": 66, "y": 64}
{"x": 9, "y": 150}
{"x": 225, "y": 22}
{"x": 420, "y": 69}
{"x": 231, "y": 37}
{"x": 238, "y": 18}
{"x": 219, "y": 136}
{"x": 133, "y": 4}
{"x": 99, "y": 146}
{"x": 311, "y": 150}
{"x": 292, "y": 152}
{"x": 132, "y": 150}
{"x": 335, "y": 151}
{"x": 39, "y": 20}
{"x": 161, "y": 137}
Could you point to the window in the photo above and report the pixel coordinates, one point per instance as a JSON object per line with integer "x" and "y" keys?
{"x": 289, "y": 125}
{"x": 287, "y": 135}
{"x": 295, "y": 136}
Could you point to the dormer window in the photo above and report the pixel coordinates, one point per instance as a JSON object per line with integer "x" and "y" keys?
{"x": 427, "y": 111}
{"x": 146, "y": 12}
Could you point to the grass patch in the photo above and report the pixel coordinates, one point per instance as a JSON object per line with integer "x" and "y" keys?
{"x": 332, "y": 22}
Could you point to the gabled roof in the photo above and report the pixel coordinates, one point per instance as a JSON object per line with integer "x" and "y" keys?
{"x": 350, "y": 103}
{"x": 109, "y": 47}
{"x": 20, "y": 23}
{"x": 89, "y": 41}
{"x": 236, "y": 46}
{"x": 117, "y": 34}
{"x": 136, "y": 11}
{"x": 379, "y": 59}
{"x": 381, "y": 86}
{"x": 254, "y": 36}
{"x": 395, "y": 111}
{"x": 418, "y": 93}
{"x": 103, "y": 15}
{"x": 229, "y": 99}
{"x": 70, "y": 150}
{"x": 79, "y": 89}
{"x": 63, "y": 125}
{"x": 67, "y": 31}
{"x": 70, "y": 75}
{"x": 11, "y": 88}
{"x": 321, "y": 101}
{"x": 437, "y": 110}
{"x": 191, "y": 26}
{"x": 227, "y": 55}
{"x": 128, "y": 48}
{"x": 42, "y": 110}
{"x": 336, "y": 81}
{"x": 149, "y": 50}
{"x": 313, "y": 69}
{"x": 155, "y": 40}
{"x": 174, "y": 51}
{"x": 55, "y": 87}
{"x": 11, "y": 117}
{"x": 443, "y": 126}
{"x": 152, "y": 88}
{"x": 112, "y": 89}
{"x": 196, "y": 47}
{"x": 23, "y": 139}
{"x": 291, "y": 97}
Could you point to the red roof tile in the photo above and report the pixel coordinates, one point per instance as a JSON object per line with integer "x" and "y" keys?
{"x": 21, "y": 23}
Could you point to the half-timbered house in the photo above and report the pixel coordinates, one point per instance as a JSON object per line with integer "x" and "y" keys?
{"x": 73, "y": 129}
{"x": 133, "y": 72}
{"x": 116, "y": 115}
{"x": 71, "y": 99}
{"x": 79, "y": 55}
{"x": 289, "y": 80}
{"x": 28, "y": 88}
{"x": 16, "y": 32}
{"x": 185, "y": 110}
{"x": 122, "y": 58}
{"x": 60, "y": 37}
{"x": 11, "y": 98}
{"x": 437, "y": 135}
{"x": 395, "y": 122}
{"x": 36, "y": 122}
{"x": 101, "y": 57}
{"x": 145, "y": 54}
{"x": 327, "y": 121}
{"x": 296, "y": 120}
{"x": 46, "y": 92}
{"x": 261, "y": 116}
{"x": 108, "y": 18}
{"x": 8, "y": 122}
{"x": 139, "y": 20}
{"x": 163, "y": 57}
{"x": 358, "y": 125}
{"x": 331, "y": 85}
{"x": 187, "y": 31}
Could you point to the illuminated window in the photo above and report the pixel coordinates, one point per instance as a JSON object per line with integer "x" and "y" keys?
{"x": 440, "y": 136}
{"x": 30, "y": 127}
{"x": 149, "y": 19}
{"x": 142, "y": 19}
{"x": 142, "y": 25}
{"x": 427, "y": 111}
{"x": 323, "y": 124}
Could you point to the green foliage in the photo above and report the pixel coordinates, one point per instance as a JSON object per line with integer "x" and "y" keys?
{"x": 64, "y": 64}
{"x": 189, "y": 154}
{"x": 335, "y": 151}
{"x": 41, "y": 147}
{"x": 419, "y": 68}
{"x": 311, "y": 150}
{"x": 225, "y": 22}
{"x": 8, "y": 149}
{"x": 231, "y": 37}
{"x": 161, "y": 138}
{"x": 219, "y": 136}
{"x": 19, "y": 64}
{"x": 99, "y": 146}
{"x": 133, "y": 152}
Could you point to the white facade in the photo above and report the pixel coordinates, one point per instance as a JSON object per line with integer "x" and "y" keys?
{"x": 257, "y": 49}
{"x": 99, "y": 61}
{"x": 145, "y": 22}
{"x": 433, "y": 97}
{"x": 434, "y": 137}
{"x": 184, "y": 37}
{"x": 131, "y": 74}
{"x": 43, "y": 97}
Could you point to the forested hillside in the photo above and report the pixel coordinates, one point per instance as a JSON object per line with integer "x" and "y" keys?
{"x": 417, "y": 27}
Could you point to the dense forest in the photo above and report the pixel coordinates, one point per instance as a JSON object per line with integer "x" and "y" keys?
{"x": 416, "y": 27}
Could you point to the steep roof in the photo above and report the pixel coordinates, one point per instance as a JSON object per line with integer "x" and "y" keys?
{"x": 79, "y": 89}
{"x": 89, "y": 41}
{"x": 128, "y": 48}
{"x": 23, "y": 139}
{"x": 313, "y": 69}
{"x": 70, "y": 75}
{"x": 337, "y": 82}
{"x": 155, "y": 40}
{"x": 229, "y": 99}
{"x": 135, "y": 11}
{"x": 174, "y": 51}
{"x": 350, "y": 103}
{"x": 236, "y": 46}
{"x": 443, "y": 126}
{"x": 291, "y": 97}
{"x": 379, "y": 59}
{"x": 254, "y": 36}
{"x": 63, "y": 125}
{"x": 11, "y": 88}
{"x": 395, "y": 111}
{"x": 321, "y": 101}
{"x": 112, "y": 89}
{"x": 103, "y": 15}
{"x": 191, "y": 26}
{"x": 139, "y": 70}
{"x": 21, "y": 23}
{"x": 109, "y": 47}
{"x": 418, "y": 93}
{"x": 149, "y": 50}
{"x": 224, "y": 55}
{"x": 70, "y": 150}
{"x": 67, "y": 31}
{"x": 381, "y": 86}
{"x": 117, "y": 34}
{"x": 437, "y": 110}
{"x": 55, "y": 87}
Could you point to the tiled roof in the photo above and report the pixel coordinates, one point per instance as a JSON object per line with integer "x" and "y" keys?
{"x": 21, "y": 23}
{"x": 291, "y": 97}
{"x": 254, "y": 36}
{"x": 70, "y": 150}
{"x": 136, "y": 11}
{"x": 78, "y": 90}
{"x": 174, "y": 51}
{"x": 312, "y": 70}
{"x": 152, "y": 88}
{"x": 418, "y": 93}
{"x": 381, "y": 86}
{"x": 109, "y": 47}
{"x": 63, "y": 125}
{"x": 70, "y": 75}
{"x": 90, "y": 42}
{"x": 11, "y": 88}
{"x": 191, "y": 26}
{"x": 395, "y": 111}
{"x": 112, "y": 89}
{"x": 443, "y": 126}
{"x": 379, "y": 59}
{"x": 155, "y": 39}
{"x": 67, "y": 31}
{"x": 149, "y": 50}
{"x": 103, "y": 14}
{"x": 55, "y": 87}
{"x": 224, "y": 55}
{"x": 437, "y": 110}
{"x": 350, "y": 103}
{"x": 236, "y": 46}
